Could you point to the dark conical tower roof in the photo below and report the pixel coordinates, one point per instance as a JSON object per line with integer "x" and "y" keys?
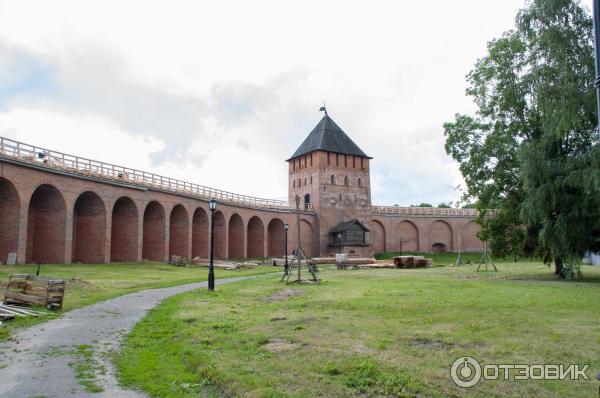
{"x": 328, "y": 136}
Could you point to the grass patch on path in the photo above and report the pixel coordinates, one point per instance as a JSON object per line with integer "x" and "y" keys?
{"x": 90, "y": 283}
{"x": 371, "y": 333}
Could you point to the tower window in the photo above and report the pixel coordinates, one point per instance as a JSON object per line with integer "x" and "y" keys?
{"x": 359, "y": 183}
{"x": 294, "y": 183}
{"x": 304, "y": 181}
{"x": 346, "y": 180}
{"x": 311, "y": 160}
{"x": 345, "y": 160}
{"x": 307, "y": 201}
{"x": 310, "y": 180}
{"x": 337, "y": 159}
{"x": 299, "y": 183}
{"x": 332, "y": 180}
{"x": 353, "y": 162}
{"x": 328, "y": 158}
{"x": 362, "y": 165}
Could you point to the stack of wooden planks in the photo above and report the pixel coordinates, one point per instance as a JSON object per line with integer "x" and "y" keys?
{"x": 217, "y": 264}
{"x": 412, "y": 261}
{"x": 8, "y": 312}
{"x": 349, "y": 260}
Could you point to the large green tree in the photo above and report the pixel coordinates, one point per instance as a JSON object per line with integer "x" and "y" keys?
{"x": 529, "y": 156}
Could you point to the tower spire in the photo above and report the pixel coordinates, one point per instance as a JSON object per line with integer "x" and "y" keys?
{"x": 323, "y": 109}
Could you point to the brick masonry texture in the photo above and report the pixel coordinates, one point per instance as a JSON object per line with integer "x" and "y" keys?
{"x": 52, "y": 217}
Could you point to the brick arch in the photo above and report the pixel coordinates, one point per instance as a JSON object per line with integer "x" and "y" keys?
{"x": 220, "y": 235}
{"x": 236, "y": 236}
{"x": 308, "y": 238}
{"x": 276, "y": 238}
{"x": 256, "y": 238}
{"x": 440, "y": 236}
{"x": 9, "y": 218}
{"x": 200, "y": 233}
{"x": 378, "y": 236}
{"x": 406, "y": 237}
{"x": 124, "y": 231}
{"x": 178, "y": 232}
{"x": 468, "y": 240}
{"x": 89, "y": 229}
{"x": 153, "y": 247}
{"x": 46, "y": 226}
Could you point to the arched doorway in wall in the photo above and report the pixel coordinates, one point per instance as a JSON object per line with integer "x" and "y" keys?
{"x": 236, "y": 236}
{"x": 440, "y": 236}
{"x": 178, "y": 232}
{"x": 276, "y": 238}
{"x": 309, "y": 243}
{"x": 9, "y": 219}
{"x": 378, "y": 236}
{"x": 200, "y": 234}
{"x": 46, "y": 226}
{"x": 124, "y": 231}
{"x": 406, "y": 237}
{"x": 220, "y": 235}
{"x": 256, "y": 238}
{"x": 468, "y": 238}
{"x": 89, "y": 229}
{"x": 153, "y": 247}
{"x": 439, "y": 247}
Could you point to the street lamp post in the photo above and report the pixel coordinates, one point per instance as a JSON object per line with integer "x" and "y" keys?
{"x": 212, "y": 205}
{"x": 339, "y": 236}
{"x": 286, "y": 227}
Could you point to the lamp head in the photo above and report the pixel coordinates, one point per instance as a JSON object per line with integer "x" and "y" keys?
{"x": 212, "y": 205}
{"x": 286, "y": 226}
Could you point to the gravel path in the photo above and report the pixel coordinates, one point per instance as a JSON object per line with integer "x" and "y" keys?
{"x": 43, "y": 359}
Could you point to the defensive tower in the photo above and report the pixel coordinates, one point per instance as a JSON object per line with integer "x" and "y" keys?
{"x": 331, "y": 175}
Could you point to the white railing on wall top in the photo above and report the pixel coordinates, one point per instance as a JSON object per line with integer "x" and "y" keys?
{"x": 424, "y": 211}
{"x": 104, "y": 171}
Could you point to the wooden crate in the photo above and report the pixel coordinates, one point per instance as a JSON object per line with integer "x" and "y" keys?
{"x": 34, "y": 290}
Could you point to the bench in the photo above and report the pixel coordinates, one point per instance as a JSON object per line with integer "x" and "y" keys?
{"x": 35, "y": 290}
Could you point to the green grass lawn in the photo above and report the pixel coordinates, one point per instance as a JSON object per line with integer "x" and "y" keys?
{"x": 386, "y": 332}
{"x": 90, "y": 283}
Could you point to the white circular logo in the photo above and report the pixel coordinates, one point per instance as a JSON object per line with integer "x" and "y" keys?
{"x": 465, "y": 372}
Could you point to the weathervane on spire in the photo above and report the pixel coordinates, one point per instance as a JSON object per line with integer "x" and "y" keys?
{"x": 323, "y": 109}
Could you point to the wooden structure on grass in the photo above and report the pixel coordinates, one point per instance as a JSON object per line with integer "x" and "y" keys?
{"x": 412, "y": 261}
{"x": 299, "y": 255}
{"x": 486, "y": 259}
{"x": 35, "y": 290}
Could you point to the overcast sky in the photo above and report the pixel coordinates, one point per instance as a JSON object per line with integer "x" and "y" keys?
{"x": 220, "y": 93}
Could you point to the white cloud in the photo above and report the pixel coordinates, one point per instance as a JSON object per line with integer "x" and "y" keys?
{"x": 221, "y": 93}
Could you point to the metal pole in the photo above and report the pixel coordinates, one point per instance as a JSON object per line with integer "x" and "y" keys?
{"x": 285, "y": 250}
{"x": 298, "y": 250}
{"x": 211, "y": 267}
{"x": 596, "y": 20}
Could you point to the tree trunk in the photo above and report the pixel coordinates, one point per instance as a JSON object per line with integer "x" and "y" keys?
{"x": 558, "y": 267}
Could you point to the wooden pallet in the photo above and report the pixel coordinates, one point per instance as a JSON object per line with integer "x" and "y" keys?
{"x": 34, "y": 290}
